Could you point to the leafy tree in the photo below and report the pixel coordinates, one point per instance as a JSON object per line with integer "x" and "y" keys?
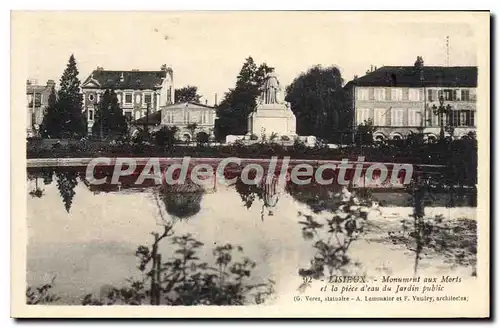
{"x": 41, "y": 294}
{"x": 332, "y": 236}
{"x": 165, "y": 137}
{"x": 318, "y": 101}
{"x": 239, "y": 102}
{"x": 364, "y": 133}
{"x": 187, "y": 280}
{"x": 202, "y": 138}
{"x": 109, "y": 118}
{"x": 192, "y": 128}
{"x": 69, "y": 104}
{"x": 188, "y": 93}
{"x": 52, "y": 119}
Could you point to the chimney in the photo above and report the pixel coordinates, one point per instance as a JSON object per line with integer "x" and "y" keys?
{"x": 419, "y": 66}
{"x": 28, "y": 82}
{"x": 99, "y": 68}
{"x": 122, "y": 78}
{"x": 215, "y": 102}
{"x": 50, "y": 83}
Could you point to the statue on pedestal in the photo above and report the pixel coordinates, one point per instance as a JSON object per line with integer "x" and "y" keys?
{"x": 272, "y": 115}
{"x": 270, "y": 90}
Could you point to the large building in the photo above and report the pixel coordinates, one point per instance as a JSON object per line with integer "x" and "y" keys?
{"x": 184, "y": 116}
{"x": 135, "y": 89}
{"x": 37, "y": 97}
{"x": 403, "y": 99}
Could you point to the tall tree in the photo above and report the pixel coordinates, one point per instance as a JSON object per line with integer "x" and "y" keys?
{"x": 70, "y": 102}
{"x": 51, "y": 120}
{"x": 188, "y": 93}
{"x": 239, "y": 102}
{"x": 109, "y": 118}
{"x": 318, "y": 101}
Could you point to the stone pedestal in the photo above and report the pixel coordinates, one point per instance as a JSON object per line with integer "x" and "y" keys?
{"x": 271, "y": 119}
{"x": 271, "y": 116}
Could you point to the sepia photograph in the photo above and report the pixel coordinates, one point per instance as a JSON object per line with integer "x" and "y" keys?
{"x": 250, "y": 164}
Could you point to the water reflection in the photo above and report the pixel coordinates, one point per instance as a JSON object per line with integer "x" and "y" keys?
{"x": 268, "y": 192}
{"x": 182, "y": 201}
{"x": 108, "y": 222}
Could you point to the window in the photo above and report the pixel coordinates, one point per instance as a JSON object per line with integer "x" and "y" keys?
{"x": 379, "y": 94}
{"x": 91, "y": 115}
{"x": 147, "y": 99}
{"x": 137, "y": 99}
{"x": 137, "y": 115}
{"x": 461, "y": 118}
{"x": 169, "y": 95}
{"x": 414, "y": 94}
{"x": 414, "y": 117}
{"x": 379, "y": 116}
{"x": 128, "y": 116}
{"x": 465, "y": 95}
{"x": 169, "y": 117}
{"x": 432, "y": 95}
{"x": 91, "y": 97}
{"x": 128, "y": 98}
{"x": 362, "y": 93}
{"x": 440, "y": 94}
{"x": 362, "y": 115}
{"x": 396, "y": 94}
{"x": 38, "y": 99}
{"x": 397, "y": 117}
{"x": 449, "y": 95}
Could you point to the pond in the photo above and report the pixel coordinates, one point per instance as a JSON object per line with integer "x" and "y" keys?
{"x": 87, "y": 236}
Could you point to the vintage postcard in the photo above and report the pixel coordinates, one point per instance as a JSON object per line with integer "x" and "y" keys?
{"x": 250, "y": 164}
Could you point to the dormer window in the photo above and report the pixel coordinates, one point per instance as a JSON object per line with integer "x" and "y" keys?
{"x": 91, "y": 97}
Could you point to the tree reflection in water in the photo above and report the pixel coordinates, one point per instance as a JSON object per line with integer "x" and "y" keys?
{"x": 316, "y": 196}
{"x": 66, "y": 183}
{"x": 182, "y": 200}
{"x": 45, "y": 174}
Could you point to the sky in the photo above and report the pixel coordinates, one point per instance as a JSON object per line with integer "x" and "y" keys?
{"x": 207, "y": 49}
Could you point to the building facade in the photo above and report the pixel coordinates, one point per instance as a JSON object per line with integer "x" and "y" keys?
{"x": 37, "y": 97}
{"x": 183, "y": 114}
{"x": 403, "y": 99}
{"x": 136, "y": 91}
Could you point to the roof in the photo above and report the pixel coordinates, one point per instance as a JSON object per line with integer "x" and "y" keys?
{"x": 136, "y": 80}
{"x": 186, "y": 103}
{"x": 153, "y": 119}
{"x": 409, "y": 76}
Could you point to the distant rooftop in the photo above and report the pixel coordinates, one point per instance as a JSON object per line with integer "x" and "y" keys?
{"x": 131, "y": 79}
{"x": 413, "y": 76}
